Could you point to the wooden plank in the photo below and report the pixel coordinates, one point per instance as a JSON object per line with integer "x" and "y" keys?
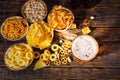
{"x": 62, "y": 73}
{"x": 109, "y": 48}
{"x": 109, "y": 3}
{"x": 105, "y": 30}
{"x": 106, "y": 35}
{"x": 107, "y": 14}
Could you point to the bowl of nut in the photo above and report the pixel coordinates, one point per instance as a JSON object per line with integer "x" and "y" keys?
{"x": 34, "y": 10}
{"x": 18, "y": 56}
{"x": 14, "y": 28}
{"x": 60, "y": 18}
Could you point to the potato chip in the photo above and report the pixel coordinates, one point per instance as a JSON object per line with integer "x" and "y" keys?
{"x": 39, "y": 35}
{"x": 60, "y": 18}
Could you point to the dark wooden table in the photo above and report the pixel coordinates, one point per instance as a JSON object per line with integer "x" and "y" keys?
{"x": 105, "y": 29}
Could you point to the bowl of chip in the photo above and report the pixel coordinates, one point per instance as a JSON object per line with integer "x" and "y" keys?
{"x": 40, "y": 35}
{"x": 60, "y": 18}
{"x": 14, "y": 28}
{"x": 18, "y": 56}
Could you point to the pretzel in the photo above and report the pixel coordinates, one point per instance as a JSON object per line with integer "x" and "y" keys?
{"x": 43, "y": 57}
{"x": 57, "y": 62}
{"x": 47, "y": 62}
{"x": 67, "y": 44}
{"x": 62, "y": 52}
{"x": 64, "y": 60}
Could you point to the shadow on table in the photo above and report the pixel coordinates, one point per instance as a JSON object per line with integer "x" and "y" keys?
{"x": 84, "y": 3}
{"x": 79, "y": 7}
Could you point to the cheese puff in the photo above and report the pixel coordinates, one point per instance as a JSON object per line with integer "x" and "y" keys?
{"x": 53, "y": 57}
{"x": 55, "y": 47}
{"x": 36, "y": 55}
{"x": 47, "y": 52}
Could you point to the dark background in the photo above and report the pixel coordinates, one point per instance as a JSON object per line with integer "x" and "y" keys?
{"x": 105, "y": 29}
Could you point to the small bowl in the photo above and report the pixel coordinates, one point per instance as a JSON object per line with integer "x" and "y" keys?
{"x": 60, "y": 18}
{"x": 18, "y": 56}
{"x": 40, "y": 35}
{"x": 14, "y": 28}
{"x": 34, "y": 10}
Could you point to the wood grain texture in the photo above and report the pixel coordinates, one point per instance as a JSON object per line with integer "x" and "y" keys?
{"x": 105, "y": 29}
{"x": 64, "y": 73}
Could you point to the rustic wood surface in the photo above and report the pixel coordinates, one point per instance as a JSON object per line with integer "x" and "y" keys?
{"x": 105, "y": 29}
